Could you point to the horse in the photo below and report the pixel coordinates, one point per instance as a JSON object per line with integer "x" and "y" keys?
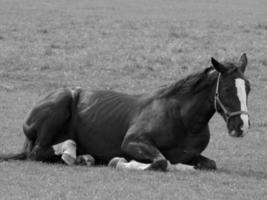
{"x": 145, "y": 131}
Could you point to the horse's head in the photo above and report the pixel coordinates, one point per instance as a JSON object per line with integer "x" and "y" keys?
{"x": 231, "y": 94}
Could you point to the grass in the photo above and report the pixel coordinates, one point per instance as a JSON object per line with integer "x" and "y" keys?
{"x": 134, "y": 47}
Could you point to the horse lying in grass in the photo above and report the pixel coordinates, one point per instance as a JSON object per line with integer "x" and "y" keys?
{"x": 144, "y": 132}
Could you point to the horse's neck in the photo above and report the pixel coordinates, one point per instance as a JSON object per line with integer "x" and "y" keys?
{"x": 198, "y": 110}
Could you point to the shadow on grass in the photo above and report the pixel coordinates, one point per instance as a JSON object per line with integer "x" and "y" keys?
{"x": 249, "y": 173}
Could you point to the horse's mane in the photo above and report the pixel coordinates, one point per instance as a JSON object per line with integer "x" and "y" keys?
{"x": 190, "y": 84}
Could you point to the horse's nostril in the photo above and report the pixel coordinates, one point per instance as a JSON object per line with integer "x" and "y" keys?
{"x": 232, "y": 133}
{"x": 241, "y": 127}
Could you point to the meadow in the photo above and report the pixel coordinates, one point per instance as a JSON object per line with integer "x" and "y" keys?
{"x": 132, "y": 47}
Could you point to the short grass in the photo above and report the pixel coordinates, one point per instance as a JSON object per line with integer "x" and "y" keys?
{"x": 134, "y": 47}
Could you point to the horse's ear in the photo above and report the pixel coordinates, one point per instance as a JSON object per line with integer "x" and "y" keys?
{"x": 243, "y": 62}
{"x": 218, "y": 66}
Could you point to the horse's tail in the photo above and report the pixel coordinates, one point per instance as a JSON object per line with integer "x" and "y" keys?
{"x": 13, "y": 156}
{"x": 23, "y": 155}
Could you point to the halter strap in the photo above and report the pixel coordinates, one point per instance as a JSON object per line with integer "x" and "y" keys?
{"x": 217, "y": 99}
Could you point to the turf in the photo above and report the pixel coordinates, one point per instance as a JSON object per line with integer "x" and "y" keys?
{"x": 133, "y": 47}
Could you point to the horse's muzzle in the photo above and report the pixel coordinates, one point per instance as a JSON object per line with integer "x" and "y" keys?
{"x": 234, "y": 133}
{"x": 238, "y": 126}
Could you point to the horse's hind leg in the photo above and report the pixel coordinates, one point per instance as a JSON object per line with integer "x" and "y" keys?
{"x": 86, "y": 159}
{"x": 51, "y": 119}
{"x": 45, "y": 154}
{"x": 65, "y": 150}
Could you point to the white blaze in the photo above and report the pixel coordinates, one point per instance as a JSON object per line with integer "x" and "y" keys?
{"x": 242, "y": 96}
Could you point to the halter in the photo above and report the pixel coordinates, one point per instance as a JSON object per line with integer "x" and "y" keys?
{"x": 227, "y": 114}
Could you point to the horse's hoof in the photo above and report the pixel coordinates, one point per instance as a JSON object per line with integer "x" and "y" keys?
{"x": 68, "y": 159}
{"x": 115, "y": 161}
{"x": 208, "y": 165}
{"x": 69, "y": 152}
{"x": 160, "y": 165}
{"x": 87, "y": 160}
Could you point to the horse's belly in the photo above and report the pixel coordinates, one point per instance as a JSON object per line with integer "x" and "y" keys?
{"x": 102, "y": 142}
{"x": 102, "y": 120}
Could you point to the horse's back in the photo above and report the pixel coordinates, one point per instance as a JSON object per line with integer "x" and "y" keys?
{"x": 103, "y": 118}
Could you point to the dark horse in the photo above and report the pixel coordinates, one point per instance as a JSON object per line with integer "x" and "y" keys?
{"x": 169, "y": 125}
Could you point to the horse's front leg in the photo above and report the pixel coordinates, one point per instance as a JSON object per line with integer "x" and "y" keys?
{"x": 203, "y": 163}
{"x": 176, "y": 156}
{"x": 140, "y": 148}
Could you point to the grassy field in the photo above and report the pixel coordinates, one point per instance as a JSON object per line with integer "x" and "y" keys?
{"x": 134, "y": 47}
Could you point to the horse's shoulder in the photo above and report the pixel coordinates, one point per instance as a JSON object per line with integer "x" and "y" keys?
{"x": 156, "y": 115}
